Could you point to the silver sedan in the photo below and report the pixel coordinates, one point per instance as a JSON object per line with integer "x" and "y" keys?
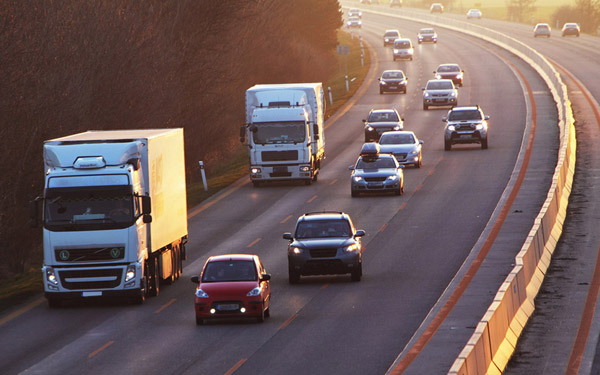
{"x": 405, "y": 146}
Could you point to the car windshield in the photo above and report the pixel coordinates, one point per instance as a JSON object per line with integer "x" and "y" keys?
{"x": 542, "y": 27}
{"x": 396, "y": 75}
{"x": 391, "y": 34}
{"x": 427, "y": 31}
{"x": 375, "y": 163}
{"x": 231, "y": 270}
{"x": 439, "y": 85}
{"x": 473, "y": 114}
{"x": 279, "y": 132}
{"x": 396, "y": 139}
{"x": 322, "y": 229}
{"x": 383, "y": 117}
{"x": 402, "y": 44}
{"x": 448, "y": 68}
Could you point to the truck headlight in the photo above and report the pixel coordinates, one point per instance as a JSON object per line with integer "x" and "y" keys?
{"x": 453, "y": 95}
{"x": 130, "y": 274}
{"x": 201, "y": 294}
{"x": 254, "y": 170}
{"x": 51, "y": 276}
{"x": 305, "y": 169}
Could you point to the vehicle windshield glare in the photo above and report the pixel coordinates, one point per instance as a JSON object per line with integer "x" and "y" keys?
{"x": 465, "y": 115}
{"x": 402, "y": 44}
{"x": 391, "y": 34}
{"x": 383, "y": 117}
{"x": 396, "y": 75}
{"x": 396, "y": 139}
{"x": 375, "y": 163}
{"x": 231, "y": 270}
{"x": 439, "y": 85}
{"x": 427, "y": 31}
{"x": 279, "y": 132}
{"x": 322, "y": 229}
{"x": 448, "y": 68}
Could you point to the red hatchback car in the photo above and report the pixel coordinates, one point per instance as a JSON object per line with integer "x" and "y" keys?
{"x": 233, "y": 285}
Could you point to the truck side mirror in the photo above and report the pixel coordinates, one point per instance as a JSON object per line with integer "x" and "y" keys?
{"x": 33, "y": 212}
{"x": 146, "y": 205}
{"x": 316, "y": 131}
{"x": 242, "y": 134}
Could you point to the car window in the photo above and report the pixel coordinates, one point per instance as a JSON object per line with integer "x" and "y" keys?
{"x": 402, "y": 44}
{"x": 383, "y": 117}
{"x": 396, "y": 139}
{"x": 391, "y": 33}
{"x": 439, "y": 85}
{"x": 232, "y": 270}
{"x": 465, "y": 115}
{"x": 322, "y": 229}
{"x": 396, "y": 75}
{"x": 375, "y": 163}
{"x": 448, "y": 68}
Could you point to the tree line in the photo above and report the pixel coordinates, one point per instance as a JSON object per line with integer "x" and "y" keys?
{"x": 70, "y": 66}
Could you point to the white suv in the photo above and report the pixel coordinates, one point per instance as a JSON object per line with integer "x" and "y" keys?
{"x": 466, "y": 124}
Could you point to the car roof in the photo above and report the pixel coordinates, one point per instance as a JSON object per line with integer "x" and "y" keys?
{"x": 465, "y": 108}
{"x": 402, "y": 40}
{"x": 392, "y": 31}
{"x": 383, "y": 110}
{"x": 392, "y": 71}
{"x": 399, "y": 132}
{"x": 541, "y": 24}
{"x": 323, "y": 215}
{"x": 228, "y": 257}
{"x": 447, "y": 65}
{"x": 426, "y": 29}
{"x": 439, "y": 80}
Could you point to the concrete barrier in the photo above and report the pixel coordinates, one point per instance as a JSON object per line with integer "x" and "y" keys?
{"x": 495, "y": 337}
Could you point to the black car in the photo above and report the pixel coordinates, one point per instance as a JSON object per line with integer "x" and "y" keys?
{"x": 324, "y": 243}
{"x": 380, "y": 121}
{"x": 392, "y": 81}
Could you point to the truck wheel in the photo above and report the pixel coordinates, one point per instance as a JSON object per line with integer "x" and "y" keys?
{"x": 316, "y": 177}
{"x": 308, "y": 182}
{"x": 256, "y": 183}
{"x": 154, "y": 285}
{"x": 54, "y": 303}
{"x": 484, "y": 144}
{"x": 139, "y": 299}
{"x": 447, "y": 145}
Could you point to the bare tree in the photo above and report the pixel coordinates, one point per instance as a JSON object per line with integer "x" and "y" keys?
{"x": 520, "y": 10}
{"x": 588, "y": 12}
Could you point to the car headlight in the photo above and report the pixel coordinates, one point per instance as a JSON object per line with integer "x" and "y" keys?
{"x": 453, "y": 95}
{"x": 130, "y": 274}
{"x": 370, "y": 128}
{"x": 459, "y": 76}
{"x": 396, "y": 51}
{"x": 383, "y": 82}
{"x": 201, "y": 294}
{"x": 451, "y": 128}
{"x": 397, "y": 127}
{"x": 426, "y": 94}
{"x": 357, "y": 178}
{"x": 413, "y": 152}
{"x": 297, "y": 250}
{"x": 351, "y": 248}
{"x": 438, "y": 76}
{"x": 254, "y": 292}
{"x": 392, "y": 178}
{"x": 479, "y": 126}
{"x": 51, "y": 276}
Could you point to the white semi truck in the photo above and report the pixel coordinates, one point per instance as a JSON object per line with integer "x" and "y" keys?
{"x": 114, "y": 213}
{"x": 284, "y": 131}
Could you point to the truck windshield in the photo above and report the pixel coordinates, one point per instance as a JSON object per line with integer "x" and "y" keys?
{"x": 279, "y": 132}
{"x": 89, "y": 208}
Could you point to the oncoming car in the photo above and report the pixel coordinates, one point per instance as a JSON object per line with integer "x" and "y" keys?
{"x": 381, "y": 120}
{"x": 354, "y": 12}
{"x": 324, "y": 243}
{"x": 354, "y": 22}
{"x": 392, "y": 81}
{"x": 436, "y": 8}
{"x": 465, "y": 124}
{"x": 450, "y": 71}
{"x": 232, "y": 286}
{"x": 570, "y": 29}
{"x": 376, "y": 172}
{"x": 427, "y": 35}
{"x": 542, "y": 29}
{"x": 403, "y": 49}
{"x": 390, "y": 36}
{"x": 439, "y": 92}
{"x": 474, "y": 13}
{"x": 404, "y": 145}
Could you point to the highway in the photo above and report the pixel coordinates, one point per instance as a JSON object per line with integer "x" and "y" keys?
{"x": 415, "y": 243}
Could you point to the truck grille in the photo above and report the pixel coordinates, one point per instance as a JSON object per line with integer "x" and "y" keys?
{"x": 84, "y": 279}
{"x": 323, "y": 253}
{"x": 87, "y": 255}
{"x": 279, "y": 155}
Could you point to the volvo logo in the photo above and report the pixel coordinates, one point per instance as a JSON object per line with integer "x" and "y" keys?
{"x": 64, "y": 255}
{"x": 115, "y": 252}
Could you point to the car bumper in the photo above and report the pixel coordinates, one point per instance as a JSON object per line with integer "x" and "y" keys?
{"x": 403, "y": 56}
{"x": 375, "y": 187}
{"x": 389, "y": 87}
{"x": 461, "y": 137}
{"x": 427, "y": 39}
{"x": 246, "y": 307}
{"x": 405, "y": 159}
{"x": 440, "y": 101}
{"x": 339, "y": 265}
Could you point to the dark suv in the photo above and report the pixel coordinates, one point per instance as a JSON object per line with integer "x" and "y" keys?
{"x": 324, "y": 243}
{"x": 466, "y": 124}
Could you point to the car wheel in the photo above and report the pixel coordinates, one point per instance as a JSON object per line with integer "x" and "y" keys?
{"x": 356, "y": 274}
{"x": 199, "y": 321}
{"x": 268, "y": 312}
{"x": 447, "y": 145}
{"x": 484, "y": 144}
{"x": 381, "y": 91}
{"x": 293, "y": 276}
{"x": 353, "y": 193}
{"x": 425, "y": 107}
{"x": 261, "y": 317}
{"x": 419, "y": 162}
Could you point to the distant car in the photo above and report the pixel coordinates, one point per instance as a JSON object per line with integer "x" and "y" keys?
{"x": 465, "y": 124}
{"x": 439, "y": 92}
{"x": 380, "y": 121}
{"x": 393, "y": 81}
{"x": 542, "y": 29}
{"x": 436, "y": 8}
{"x": 232, "y": 286}
{"x": 396, "y": 3}
{"x": 403, "y": 49}
{"x": 570, "y": 29}
{"x": 427, "y": 35}
{"x": 474, "y": 13}
{"x": 376, "y": 172}
{"x": 404, "y": 145}
{"x": 354, "y": 22}
{"x": 450, "y": 71}
{"x": 390, "y": 36}
{"x": 354, "y": 12}
{"x": 324, "y": 243}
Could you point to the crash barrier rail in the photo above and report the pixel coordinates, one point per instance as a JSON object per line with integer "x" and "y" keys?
{"x": 495, "y": 336}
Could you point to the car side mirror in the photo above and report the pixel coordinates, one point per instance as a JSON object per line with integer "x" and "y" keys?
{"x": 287, "y": 236}
{"x": 364, "y": 120}
{"x": 434, "y": 72}
{"x": 400, "y": 167}
{"x": 359, "y": 233}
{"x": 444, "y": 119}
{"x": 265, "y": 277}
{"x": 420, "y": 142}
{"x": 486, "y": 117}
{"x": 423, "y": 88}
{"x": 195, "y": 279}
{"x": 351, "y": 168}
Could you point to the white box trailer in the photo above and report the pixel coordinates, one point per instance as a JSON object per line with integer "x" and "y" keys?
{"x": 114, "y": 213}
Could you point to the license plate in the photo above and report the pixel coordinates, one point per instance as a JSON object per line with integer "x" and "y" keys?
{"x": 280, "y": 169}
{"x": 375, "y": 185}
{"x": 91, "y": 294}
{"x": 393, "y": 87}
{"x": 439, "y": 100}
{"x": 465, "y": 136}
{"x": 228, "y": 307}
